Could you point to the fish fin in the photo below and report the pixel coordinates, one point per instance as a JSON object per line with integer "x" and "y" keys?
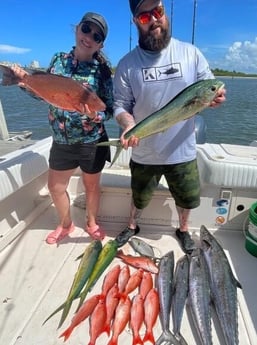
{"x": 149, "y": 337}
{"x": 55, "y": 312}
{"x": 238, "y": 284}
{"x": 82, "y": 297}
{"x": 167, "y": 337}
{"x": 117, "y": 153}
{"x": 65, "y": 312}
{"x": 137, "y": 340}
{"x": 79, "y": 257}
{"x": 9, "y": 77}
{"x": 115, "y": 142}
{"x": 113, "y": 341}
{"x": 66, "y": 334}
{"x": 180, "y": 339}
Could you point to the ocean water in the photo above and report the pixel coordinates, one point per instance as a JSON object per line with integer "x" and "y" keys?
{"x": 234, "y": 122}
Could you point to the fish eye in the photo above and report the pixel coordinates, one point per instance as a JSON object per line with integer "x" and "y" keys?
{"x": 213, "y": 88}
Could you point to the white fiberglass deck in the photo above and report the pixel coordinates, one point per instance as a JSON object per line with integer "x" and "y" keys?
{"x": 36, "y": 277}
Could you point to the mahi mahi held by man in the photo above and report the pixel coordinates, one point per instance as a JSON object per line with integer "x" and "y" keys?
{"x": 186, "y": 104}
{"x": 62, "y": 92}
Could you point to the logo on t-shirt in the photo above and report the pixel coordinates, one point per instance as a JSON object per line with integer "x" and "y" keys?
{"x": 166, "y": 72}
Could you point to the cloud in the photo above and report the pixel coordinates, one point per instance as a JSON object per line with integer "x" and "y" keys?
{"x": 243, "y": 56}
{"x": 6, "y": 49}
{"x": 240, "y": 56}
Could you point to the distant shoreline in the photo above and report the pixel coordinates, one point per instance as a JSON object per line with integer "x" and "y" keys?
{"x": 234, "y": 77}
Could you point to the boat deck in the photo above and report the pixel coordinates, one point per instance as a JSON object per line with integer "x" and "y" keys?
{"x": 36, "y": 277}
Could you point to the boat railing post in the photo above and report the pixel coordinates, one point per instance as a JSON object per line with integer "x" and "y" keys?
{"x": 4, "y": 134}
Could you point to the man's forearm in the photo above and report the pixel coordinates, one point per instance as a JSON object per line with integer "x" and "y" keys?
{"x": 125, "y": 120}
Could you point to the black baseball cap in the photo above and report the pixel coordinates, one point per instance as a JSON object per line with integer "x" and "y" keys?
{"x": 98, "y": 20}
{"x": 134, "y": 4}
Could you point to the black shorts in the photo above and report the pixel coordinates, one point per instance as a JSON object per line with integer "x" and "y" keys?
{"x": 89, "y": 157}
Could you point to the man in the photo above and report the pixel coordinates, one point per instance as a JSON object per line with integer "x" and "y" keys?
{"x": 145, "y": 80}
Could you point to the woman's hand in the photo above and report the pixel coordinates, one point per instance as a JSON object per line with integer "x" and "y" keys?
{"x": 91, "y": 114}
{"x": 18, "y": 71}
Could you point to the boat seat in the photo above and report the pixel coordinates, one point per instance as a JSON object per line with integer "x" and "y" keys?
{"x": 227, "y": 165}
{"x": 19, "y": 168}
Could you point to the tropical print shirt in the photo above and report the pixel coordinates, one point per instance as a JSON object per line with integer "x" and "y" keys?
{"x": 71, "y": 127}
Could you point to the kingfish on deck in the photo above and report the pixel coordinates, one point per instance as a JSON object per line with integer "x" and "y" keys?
{"x": 165, "y": 290}
{"x": 199, "y": 296}
{"x": 223, "y": 286}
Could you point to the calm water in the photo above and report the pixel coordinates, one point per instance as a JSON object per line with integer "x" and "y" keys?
{"x": 235, "y": 122}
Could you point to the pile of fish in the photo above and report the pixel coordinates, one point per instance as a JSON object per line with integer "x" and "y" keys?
{"x": 110, "y": 311}
{"x": 147, "y": 287}
{"x": 202, "y": 279}
{"x": 114, "y": 307}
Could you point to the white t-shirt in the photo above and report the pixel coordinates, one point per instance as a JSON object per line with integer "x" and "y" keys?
{"x": 144, "y": 82}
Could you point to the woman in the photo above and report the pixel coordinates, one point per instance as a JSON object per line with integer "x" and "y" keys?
{"x": 75, "y": 136}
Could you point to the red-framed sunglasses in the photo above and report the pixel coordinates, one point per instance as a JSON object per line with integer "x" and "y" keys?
{"x": 145, "y": 17}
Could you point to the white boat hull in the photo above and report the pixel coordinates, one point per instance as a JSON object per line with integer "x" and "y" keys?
{"x": 36, "y": 277}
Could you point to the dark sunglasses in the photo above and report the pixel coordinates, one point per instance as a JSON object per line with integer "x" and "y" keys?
{"x": 86, "y": 29}
{"x": 145, "y": 17}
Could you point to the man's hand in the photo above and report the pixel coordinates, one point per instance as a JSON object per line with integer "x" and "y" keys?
{"x": 220, "y": 98}
{"x": 126, "y": 121}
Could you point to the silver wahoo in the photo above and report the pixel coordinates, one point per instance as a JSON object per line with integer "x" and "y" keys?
{"x": 165, "y": 290}
{"x": 181, "y": 287}
{"x": 223, "y": 286}
{"x": 199, "y": 296}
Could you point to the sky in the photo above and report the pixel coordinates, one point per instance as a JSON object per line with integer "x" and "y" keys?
{"x": 225, "y": 30}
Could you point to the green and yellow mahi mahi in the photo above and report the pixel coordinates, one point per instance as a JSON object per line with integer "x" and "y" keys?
{"x": 83, "y": 273}
{"x": 186, "y": 104}
{"x": 106, "y": 256}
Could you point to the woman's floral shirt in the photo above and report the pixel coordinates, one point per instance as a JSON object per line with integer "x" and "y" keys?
{"x": 71, "y": 127}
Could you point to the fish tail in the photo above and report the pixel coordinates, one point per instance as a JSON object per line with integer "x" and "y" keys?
{"x": 66, "y": 334}
{"x": 82, "y": 298}
{"x": 79, "y": 257}
{"x": 167, "y": 337}
{"x": 137, "y": 340}
{"x": 55, "y": 312}
{"x": 113, "y": 341}
{"x": 65, "y": 312}
{"x": 113, "y": 143}
{"x": 149, "y": 337}
{"x": 181, "y": 339}
{"x": 9, "y": 78}
{"x": 117, "y": 153}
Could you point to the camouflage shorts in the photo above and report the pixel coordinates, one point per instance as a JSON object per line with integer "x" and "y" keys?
{"x": 182, "y": 179}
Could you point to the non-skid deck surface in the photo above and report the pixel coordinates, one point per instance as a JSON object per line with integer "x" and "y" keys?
{"x": 35, "y": 279}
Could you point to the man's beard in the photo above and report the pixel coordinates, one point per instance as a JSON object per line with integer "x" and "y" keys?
{"x": 148, "y": 42}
